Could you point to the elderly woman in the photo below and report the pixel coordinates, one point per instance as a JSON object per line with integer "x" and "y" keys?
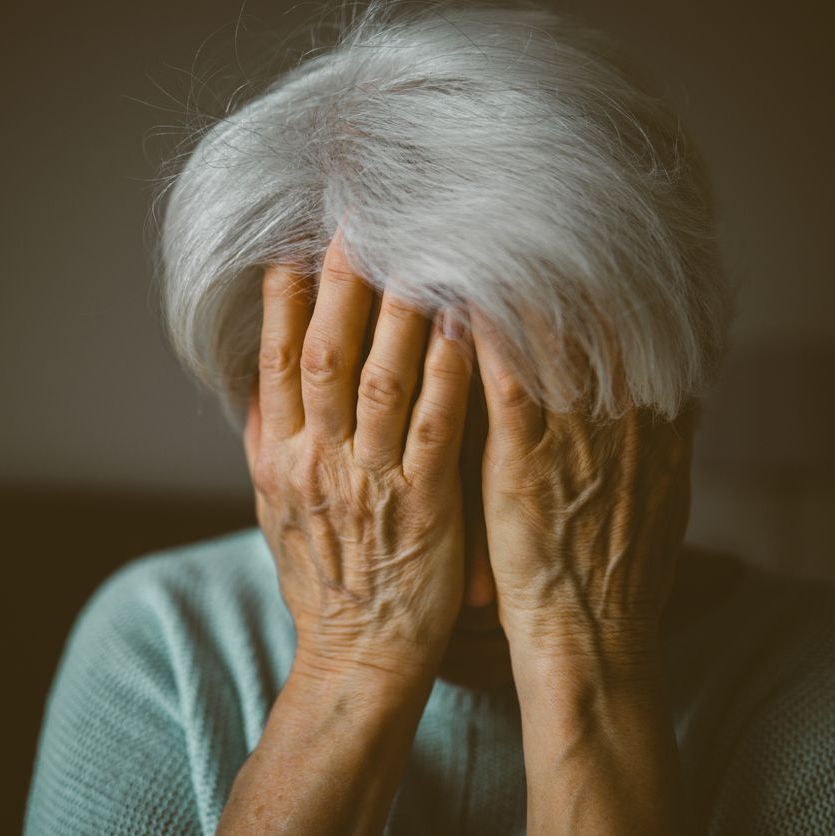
{"x": 456, "y": 280}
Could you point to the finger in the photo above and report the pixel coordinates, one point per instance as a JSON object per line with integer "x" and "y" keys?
{"x": 252, "y": 429}
{"x": 433, "y": 441}
{"x": 376, "y": 304}
{"x": 387, "y": 381}
{"x": 623, "y": 514}
{"x": 286, "y": 316}
{"x": 333, "y": 346}
{"x": 517, "y": 423}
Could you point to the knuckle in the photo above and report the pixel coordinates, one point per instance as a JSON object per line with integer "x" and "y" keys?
{"x": 445, "y": 370}
{"x": 381, "y": 387}
{"x": 321, "y": 360}
{"x": 276, "y": 281}
{"x": 509, "y": 391}
{"x": 264, "y": 475}
{"x": 339, "y": 271}
{"x": 434, "y": 428}
{"x": 276, "y": 358}
{"x": 307, "y": 477}
{"x": 398, "y": 308}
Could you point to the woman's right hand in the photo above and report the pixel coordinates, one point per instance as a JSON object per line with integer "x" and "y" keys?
{"x": 357, "y": 493}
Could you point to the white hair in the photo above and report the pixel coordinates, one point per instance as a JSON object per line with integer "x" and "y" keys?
{"x": 503, "y": 155}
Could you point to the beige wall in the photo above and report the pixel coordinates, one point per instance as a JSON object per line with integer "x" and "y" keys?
{"x": 91, "y": 397}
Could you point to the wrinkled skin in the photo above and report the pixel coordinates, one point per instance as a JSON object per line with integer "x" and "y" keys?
{"x": 584, "y": 518}
{"x": 382, "y": 527}
{"x": 367, "y": 531}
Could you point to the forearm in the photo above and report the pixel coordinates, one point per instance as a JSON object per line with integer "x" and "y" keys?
{"x": 330, "y": 758}
{"x": 600, "y": 750}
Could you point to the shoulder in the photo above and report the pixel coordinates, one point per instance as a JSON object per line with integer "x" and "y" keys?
{"x": 777, "y": 760}
{"x": 723, "y": 603}
{"x": 237, "y": 561}
{"x": 752, "y": 671}
{"x": 722, "y": 606}
{"x": 206, "y": 617}
{"x": 214, "y": 590}
{"x": 208, "y": 597}
{"x": 161, "y": 691}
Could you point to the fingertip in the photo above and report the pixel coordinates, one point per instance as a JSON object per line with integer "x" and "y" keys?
{"x": 453, "y": 325}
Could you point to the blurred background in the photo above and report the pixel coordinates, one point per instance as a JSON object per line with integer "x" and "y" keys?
{"x": 108, "y": 451}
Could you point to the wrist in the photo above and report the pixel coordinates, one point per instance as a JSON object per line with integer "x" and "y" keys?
{"x": 573, "y": 678}
{"x": 598, "y": 726}
{"x": 627, "y": 653}
{"x": 366, "y": 686}
{"x": 374, "y": 654}
{"x": 331, "y": 754}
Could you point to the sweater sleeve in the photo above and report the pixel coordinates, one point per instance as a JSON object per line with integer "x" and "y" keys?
{"x": 112, "y": 755}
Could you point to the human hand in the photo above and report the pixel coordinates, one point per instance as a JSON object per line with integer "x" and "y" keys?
{"x": 365, "y": 522}
{"x": 584, "y": 520}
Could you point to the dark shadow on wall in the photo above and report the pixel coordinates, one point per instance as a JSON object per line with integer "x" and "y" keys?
{"x": 59, "y": 546}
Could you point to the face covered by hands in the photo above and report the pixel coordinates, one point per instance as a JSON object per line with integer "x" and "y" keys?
{"x": 584, "y": 518}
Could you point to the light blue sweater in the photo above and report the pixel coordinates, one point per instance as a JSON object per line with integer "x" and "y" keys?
{"x": 173, "y": 664}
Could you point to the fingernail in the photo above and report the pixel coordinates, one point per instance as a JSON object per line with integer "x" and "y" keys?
{"x": 453, "y": 328}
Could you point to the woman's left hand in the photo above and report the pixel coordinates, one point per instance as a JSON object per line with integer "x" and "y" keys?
{"x": 584, "y": 519}
{"x": 584, "y": 522}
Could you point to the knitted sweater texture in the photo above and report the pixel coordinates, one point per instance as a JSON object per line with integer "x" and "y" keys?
{"x": 173, "y": 664}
